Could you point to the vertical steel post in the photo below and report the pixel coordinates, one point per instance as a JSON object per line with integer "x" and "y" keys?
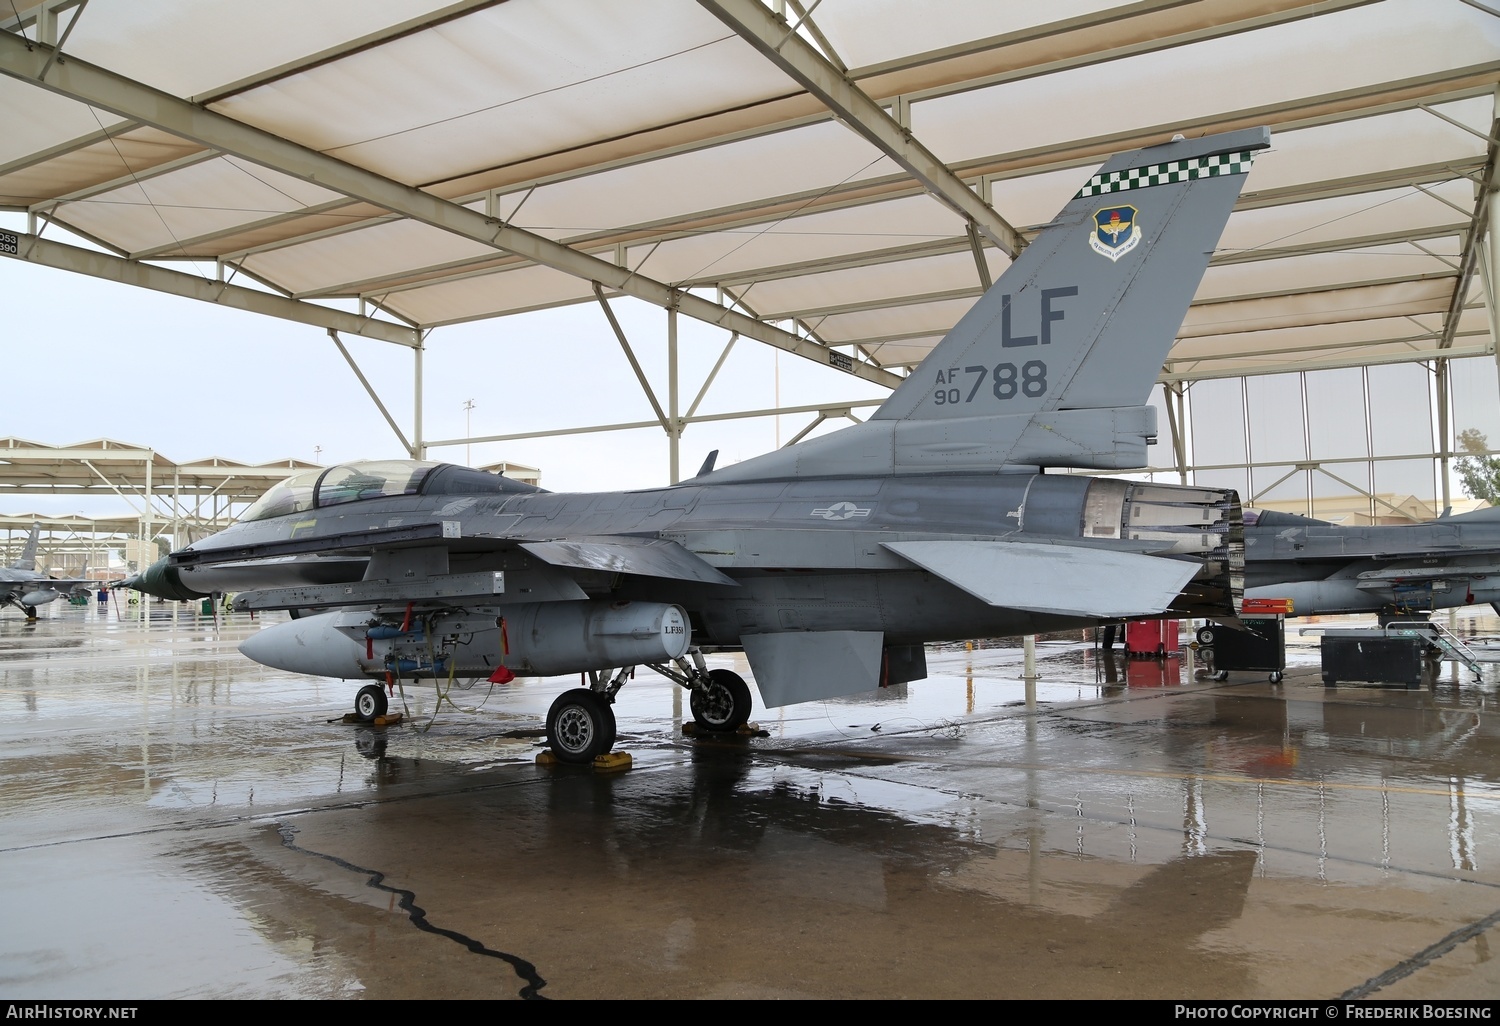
{"x": 150, "y": 520}
{"x": 1170, "y": 393}
{"x": 1445, "y": 431}
{"x": 1028, "y": 646}
{"x": 1489, "y": 259}
{"x": 418, "y": 447}
{"x": 674, "y": 424}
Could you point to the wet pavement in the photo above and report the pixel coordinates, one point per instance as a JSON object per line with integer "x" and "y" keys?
{"x": 176, "y": 821}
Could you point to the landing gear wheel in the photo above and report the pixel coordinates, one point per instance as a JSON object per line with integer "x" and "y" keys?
{"x": 579, "y": 726}
{"x": 609, "y": 722}
{"x": 1276, "y": 677}
{"x": 1205, "y": 635}
{"x": 724, "y": 705}
{"x": 370, "y": 702}
{"x": 1221, "y": 675}
{"x": 30, "y": 612}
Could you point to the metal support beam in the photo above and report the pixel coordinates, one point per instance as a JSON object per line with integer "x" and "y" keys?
{"x": 1299, "y": 468}
{"x": 1440, "y": 370}
{"x": 640, "y": 375}
{"x": 408, "y": 446}
{"x": 980, "y": 263}
{"x": 1412, "y": 356}
{"x": 418, "y": 449}
{"x": 1484, "y": 194}
{"x": 822, "y": 416}
{"x": 1360, "y": 491}
{"x": 137, "y": 178}
{"x": 116, "y": 488}
{"x": 148, "y": 521}
{"x": 711, "y": 375}
{"x": 674, "y": 423}
{"x": 36, "y": 250}
{"x": 1456, "y": 123}
{"x": 1177, "y": 426}
{"x": 1489, "y": 265}
{"x": 770, "y": 35}
{"x": 128, "y": 98}
{"x": 840, "y": 411}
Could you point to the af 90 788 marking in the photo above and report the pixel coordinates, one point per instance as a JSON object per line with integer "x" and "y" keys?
{"x": 1006, "y": 382}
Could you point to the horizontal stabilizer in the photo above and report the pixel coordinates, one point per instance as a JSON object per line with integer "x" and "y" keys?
{"x": 805, "y": 666}
{"x": 1068, "y": 580}
{"x": 647, "y": 557}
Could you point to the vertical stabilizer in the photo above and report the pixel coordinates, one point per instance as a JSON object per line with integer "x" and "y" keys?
{"x": 1085, "y": 316}
{"x": 1053, "y": 367}
{"x": 27, "y": 560}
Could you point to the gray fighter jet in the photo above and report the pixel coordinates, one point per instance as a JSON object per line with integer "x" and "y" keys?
{"x": 1397, "y": 571}
{"x": 22, "y": 586}
{"x": 830, "y": 562}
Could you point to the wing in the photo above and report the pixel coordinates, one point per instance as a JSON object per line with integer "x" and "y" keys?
{"x": 1067, "y": 580}
{"x": 646, "y": 557}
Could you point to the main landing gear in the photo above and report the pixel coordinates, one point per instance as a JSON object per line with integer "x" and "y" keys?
{"x": 724, "y": 704}
{"x": 581, "y": 722}
{"x": 720, "y": 698}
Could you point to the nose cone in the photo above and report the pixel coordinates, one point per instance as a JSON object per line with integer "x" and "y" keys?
{"x": 310, "y": 645}
{"x": 163, "y": 581}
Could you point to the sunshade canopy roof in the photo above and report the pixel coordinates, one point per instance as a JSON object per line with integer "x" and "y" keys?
{"x": 448, "y": 162}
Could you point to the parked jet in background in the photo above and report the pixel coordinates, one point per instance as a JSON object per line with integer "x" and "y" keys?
{"x": 830, "y": 562}
{"x": 23, "y": 587}
{"x": 1394, "y": 570}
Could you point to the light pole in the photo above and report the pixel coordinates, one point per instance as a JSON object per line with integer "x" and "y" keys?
{"x": 468, "y": 446}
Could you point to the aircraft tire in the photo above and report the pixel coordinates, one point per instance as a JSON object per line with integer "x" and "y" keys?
{"x": 725, "y": 705}
{"x": 580, "y": 726}
{"x": 370, "y": 702}
{"x": 30, "y": 612}
{"x": 610, "y": 729}
{"x": 1205, "y": 636}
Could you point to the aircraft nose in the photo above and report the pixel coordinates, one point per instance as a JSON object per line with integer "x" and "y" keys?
{"x": 163, "y": 581}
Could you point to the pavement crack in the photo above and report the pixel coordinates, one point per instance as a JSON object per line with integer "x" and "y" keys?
{"x": 418, "y": 916}
{"x": 1425, "y": 957}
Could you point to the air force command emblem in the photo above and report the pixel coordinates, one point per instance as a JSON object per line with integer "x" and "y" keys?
{"x": 1115, "y": 231}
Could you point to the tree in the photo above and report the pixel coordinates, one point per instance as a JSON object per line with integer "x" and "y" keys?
{"x": 1479, "y": 471}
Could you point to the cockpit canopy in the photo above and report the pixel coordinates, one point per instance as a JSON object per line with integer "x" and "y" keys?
{"x": 376, "y": 479}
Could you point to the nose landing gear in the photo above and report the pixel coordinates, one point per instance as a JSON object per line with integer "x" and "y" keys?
{"x": 370, "y": 702}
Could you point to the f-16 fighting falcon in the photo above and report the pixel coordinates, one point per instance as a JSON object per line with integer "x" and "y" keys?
{"x": 1397, "y": 570}
{"x": 829, "y": 563}
{"x": 23, "y": 586}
